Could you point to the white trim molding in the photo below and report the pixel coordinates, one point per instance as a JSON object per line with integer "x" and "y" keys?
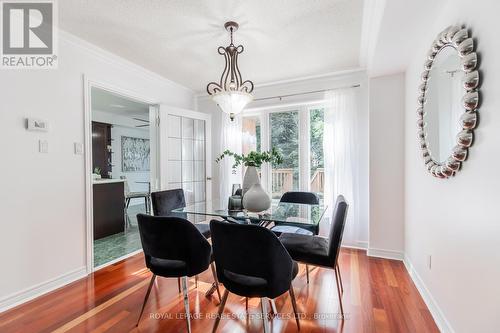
{"x": 373, "y": 12}
{"x": 40, "y": 289}
{"x": 442, "y": 323}
{"x": 386, "y": 254}
{"x": 358, "y": 245}
{"x": 116, "y": 60}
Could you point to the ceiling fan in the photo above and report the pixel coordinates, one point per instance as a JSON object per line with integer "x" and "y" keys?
{"x": 143, "y": 125}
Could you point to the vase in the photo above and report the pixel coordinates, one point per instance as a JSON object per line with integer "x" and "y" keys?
{"x": 251, "y": 178}
{"x": 256, "y": 199}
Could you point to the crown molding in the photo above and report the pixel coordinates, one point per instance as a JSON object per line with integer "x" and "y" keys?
{"x": 116, "y": 60}
{"x": 373, "y": 12}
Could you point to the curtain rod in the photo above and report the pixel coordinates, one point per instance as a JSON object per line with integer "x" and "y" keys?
{"x": 306, "y": 93}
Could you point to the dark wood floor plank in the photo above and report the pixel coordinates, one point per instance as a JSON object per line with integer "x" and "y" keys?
{"x": 379, "y": 296}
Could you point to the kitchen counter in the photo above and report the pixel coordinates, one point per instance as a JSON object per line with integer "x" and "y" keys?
{"x": 107, "y": 181}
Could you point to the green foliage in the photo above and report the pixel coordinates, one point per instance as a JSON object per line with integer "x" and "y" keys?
{"x": 254, "y": 158}
{"x": 317, "y": 128}
{"x": 284, "y": 135}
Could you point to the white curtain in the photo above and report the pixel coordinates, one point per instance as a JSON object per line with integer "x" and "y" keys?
{"x": 230, "y": 138}
{"x": 341, "y": 157}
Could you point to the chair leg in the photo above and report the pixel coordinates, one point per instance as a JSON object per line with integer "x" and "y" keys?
{"x": 196, "y": 281}
{"x": 179, "y": 284}
{"x": 186, "y": 302}
{"x": 246, "y": 304}
{"x": 307, "y": 273}
{"x": 146, "y": 298}
{"x": 340, "y": 295}
{"x": 294, "y": 306}
{"x": 221, "y": 309}
{"x": 337, "y": 271}
{"x": 214, "y": 273}
{"x": 127, "y": 202}
{"x": 146, "y": 204}
{"x": 263, "y": 305}
{"x": 273, "y": 307}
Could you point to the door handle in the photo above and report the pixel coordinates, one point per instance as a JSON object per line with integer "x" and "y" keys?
{"x": 209, "y": 178}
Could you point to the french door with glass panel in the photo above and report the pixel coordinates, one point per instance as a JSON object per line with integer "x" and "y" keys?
{"x": 297, "y": 133}
{"x": 185, "y": 149}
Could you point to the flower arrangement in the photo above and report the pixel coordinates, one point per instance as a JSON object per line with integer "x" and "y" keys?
{"x": 254, "y": 158}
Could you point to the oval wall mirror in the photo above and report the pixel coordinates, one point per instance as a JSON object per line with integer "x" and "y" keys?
{"x": 448, "y": 101}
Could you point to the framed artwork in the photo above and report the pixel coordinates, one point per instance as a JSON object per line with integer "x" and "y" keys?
{"x": 135, "y": 154}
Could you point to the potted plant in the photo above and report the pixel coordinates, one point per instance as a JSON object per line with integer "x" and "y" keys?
{"x": 97, "y": 173}
{"x": 254, "y": 196}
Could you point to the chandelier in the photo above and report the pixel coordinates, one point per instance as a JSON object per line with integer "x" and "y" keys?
{"x": 231, "y": 94}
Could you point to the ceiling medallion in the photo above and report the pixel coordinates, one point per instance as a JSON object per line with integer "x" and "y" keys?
{"x": 231, "y": 94}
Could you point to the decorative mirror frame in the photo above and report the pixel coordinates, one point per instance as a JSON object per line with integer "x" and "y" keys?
{"x": 458, "y": 38}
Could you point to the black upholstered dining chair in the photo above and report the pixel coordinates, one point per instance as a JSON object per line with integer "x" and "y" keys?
{"x": 173, "y": 247}
{"x": 166, "y": 201}
{"x": 307, "y": 198}
{"x": 252, "y": 262}
{"x": 321, "y": 251}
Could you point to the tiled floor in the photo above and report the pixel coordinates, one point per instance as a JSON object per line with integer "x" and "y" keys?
{"x": 118, "y": 245}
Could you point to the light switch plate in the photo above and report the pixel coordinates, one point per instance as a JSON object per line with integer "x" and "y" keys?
{"x": 43, "y": 146}
{"x": 78, "y": 148}
{"x": 38, "y": 125}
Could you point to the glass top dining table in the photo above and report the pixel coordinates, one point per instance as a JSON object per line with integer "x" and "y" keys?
{"x": 283, "y": 213}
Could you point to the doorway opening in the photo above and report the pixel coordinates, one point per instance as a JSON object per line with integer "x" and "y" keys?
{"x": 121, "y": 173}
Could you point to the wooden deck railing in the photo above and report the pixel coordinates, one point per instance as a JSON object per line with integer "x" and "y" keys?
{"x": 282, "y": 181}
{"x": 318, "y": 181}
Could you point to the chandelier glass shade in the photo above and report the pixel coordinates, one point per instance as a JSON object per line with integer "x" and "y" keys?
{"x": 231, "y": 93}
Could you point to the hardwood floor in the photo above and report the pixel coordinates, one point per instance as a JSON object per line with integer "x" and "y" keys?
{"x": 379, "y": 296}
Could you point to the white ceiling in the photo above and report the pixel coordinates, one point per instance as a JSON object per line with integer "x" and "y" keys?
{"x": 283, "y": 39}
{"x": 401, "y": 25}
{"x": 109, "y": 102}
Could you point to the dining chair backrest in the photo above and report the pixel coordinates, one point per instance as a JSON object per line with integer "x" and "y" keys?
{"x": 338, "y": 220}
{"x": 251, "y": 250}
{"x": 308, "y": 198}
{"x": 126, "y": 186}
{"x": 173, "y": 238}
{"x": 166, "y": 201}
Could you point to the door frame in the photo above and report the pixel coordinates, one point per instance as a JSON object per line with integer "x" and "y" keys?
{"x": 164, "y": 111}
{"x": 88, "y": 84}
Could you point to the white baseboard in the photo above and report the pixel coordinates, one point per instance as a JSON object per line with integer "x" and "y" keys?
{"x": 358, "y": 245}
{"x": 30, "y": 293}
{"x": 435, "y": 310}
{"x": 386, "y": 254}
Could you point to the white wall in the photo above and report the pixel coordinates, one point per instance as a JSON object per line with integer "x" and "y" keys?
{"x": 125, "y": 126}
{"x": 205, "y": 104}
{"x": 387, "y": 105}
{"x": 43, "y": 209}
{"x": 457, "y": 221}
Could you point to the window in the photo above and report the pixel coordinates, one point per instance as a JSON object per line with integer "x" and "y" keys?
{"x": 297, "y": 133}
{"x": 284, "y": 136}
{"x": 251, "y": 134}
{"x": 317, "y": 171}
